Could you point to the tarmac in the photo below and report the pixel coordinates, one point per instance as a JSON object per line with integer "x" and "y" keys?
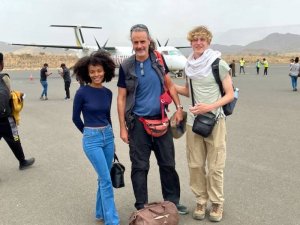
{"x": 261, "y": 175}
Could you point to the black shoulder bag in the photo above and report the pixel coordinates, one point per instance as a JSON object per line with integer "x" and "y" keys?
{"x": 117, "y": 173}
{"x": 203, "y": 123}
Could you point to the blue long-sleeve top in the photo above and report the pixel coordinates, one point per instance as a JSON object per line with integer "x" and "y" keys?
{"x": 94, "y": 104}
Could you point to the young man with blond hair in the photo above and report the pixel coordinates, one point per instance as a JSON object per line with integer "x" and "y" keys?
{"x": 206, "y": 155}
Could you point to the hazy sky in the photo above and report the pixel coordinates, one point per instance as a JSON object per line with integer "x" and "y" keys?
{"x": 27, "y": 21}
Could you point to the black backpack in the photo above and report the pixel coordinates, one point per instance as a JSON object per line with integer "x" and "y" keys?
{"x": 5, "y": 108}
{"x": 228, "y": 108}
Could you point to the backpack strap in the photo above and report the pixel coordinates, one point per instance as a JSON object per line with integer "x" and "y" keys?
{"x": 163, "y": 105}
{"x": 161, "y": 62}
{"x": 159, "y": 58}
{"x": 216, "y": 73}
{"x": 3, "y": 74}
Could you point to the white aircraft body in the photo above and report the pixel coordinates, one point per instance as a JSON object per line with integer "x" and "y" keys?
{"x": 175, "y": 60}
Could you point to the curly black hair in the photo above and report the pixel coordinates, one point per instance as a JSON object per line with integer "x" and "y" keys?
{"x": 101, "y": 58}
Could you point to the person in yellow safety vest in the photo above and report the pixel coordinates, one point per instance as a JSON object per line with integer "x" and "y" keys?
{"x": 266, "y": 66}
{"x": 242, "y": 64}
{"x": 257, "y": 66}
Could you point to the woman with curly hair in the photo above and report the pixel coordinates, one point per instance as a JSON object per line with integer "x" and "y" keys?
{"x": 94, "y": 102}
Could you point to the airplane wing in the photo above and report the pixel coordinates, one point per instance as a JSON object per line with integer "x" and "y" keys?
{"x": 183, "y": 47}
{"x": 50, "y": 46}
{"x": 110, "y": 48}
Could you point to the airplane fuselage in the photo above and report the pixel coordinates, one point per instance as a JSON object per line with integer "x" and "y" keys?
{"x": 175, "y": 60}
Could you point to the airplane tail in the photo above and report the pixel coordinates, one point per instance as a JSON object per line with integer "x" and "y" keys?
{"x": 78, "y": 34}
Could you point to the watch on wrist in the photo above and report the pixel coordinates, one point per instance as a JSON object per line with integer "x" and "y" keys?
{"x": 179, "y": 107}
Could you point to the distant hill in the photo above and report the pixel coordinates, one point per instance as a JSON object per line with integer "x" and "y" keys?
{"x": 244, "y": 36}
{"x": 5, "y": 47}
{"x": 276, "y": 43}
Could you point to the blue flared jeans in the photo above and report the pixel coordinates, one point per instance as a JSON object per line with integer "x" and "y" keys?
{"x": 98, "y": 145}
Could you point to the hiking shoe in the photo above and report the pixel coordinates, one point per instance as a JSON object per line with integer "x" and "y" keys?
{"x": 27, "y": 163}
{"x": 216, "y": 212}
{"x": 182, "y": 210}
{"x": 199, "y": 212}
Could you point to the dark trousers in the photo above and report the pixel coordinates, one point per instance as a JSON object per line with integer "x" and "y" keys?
{"x": 141, "y": 144}
{"x": 266, "y": 71}
{"x": 9, "y": 132}
{"x": 67, "y": 88}
{"x": 257, "y": 70}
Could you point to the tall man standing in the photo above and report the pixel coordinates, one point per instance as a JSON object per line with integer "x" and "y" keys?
{"x": 140, "y": 85}
{"x": 65, "y": 74}
{"x": 8, "y": 127}
{"x": 206, "y": 155}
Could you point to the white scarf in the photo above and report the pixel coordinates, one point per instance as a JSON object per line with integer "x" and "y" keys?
{"x": 201, "y": 67}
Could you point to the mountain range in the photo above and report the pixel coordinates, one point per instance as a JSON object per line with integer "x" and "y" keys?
{"x": 274, "y": 43}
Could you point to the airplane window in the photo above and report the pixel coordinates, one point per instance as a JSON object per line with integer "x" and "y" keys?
{"x": 165, "y": 53}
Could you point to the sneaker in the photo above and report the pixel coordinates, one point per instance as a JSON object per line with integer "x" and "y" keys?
{"x": 46, "y": 98}
{"x": 100, "y": 220}
{"x": 216, "y": 212}
{"x": 182, "y": 210}
{"x": 199, "y": 212}
{"x": 27, "y": 163}
{"x": 41, "y": 98}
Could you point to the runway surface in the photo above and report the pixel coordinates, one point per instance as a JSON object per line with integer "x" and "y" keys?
{"x": 261, "y": 175}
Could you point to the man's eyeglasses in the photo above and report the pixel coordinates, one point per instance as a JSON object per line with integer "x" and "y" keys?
{"x": 139, "y": 27}
{"x": 142, "y": 69}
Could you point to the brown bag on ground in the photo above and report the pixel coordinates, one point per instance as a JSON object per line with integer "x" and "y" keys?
{"x": 156, "y": 213}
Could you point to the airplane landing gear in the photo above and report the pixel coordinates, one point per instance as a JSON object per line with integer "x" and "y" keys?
{"x": 179, "y": 74}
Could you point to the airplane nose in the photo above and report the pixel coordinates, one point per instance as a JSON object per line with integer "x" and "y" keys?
{"x": 180, "y": 63}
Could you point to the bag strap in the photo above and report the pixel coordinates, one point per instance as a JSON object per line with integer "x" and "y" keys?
{"x": 165, "y": 85}
{"x": 161, "y": 62}
{"x": 3, "y": 74}
{"x": 192, "y": 93}
{"x": 216, "y": 73}
{"x": 116, "y": 157}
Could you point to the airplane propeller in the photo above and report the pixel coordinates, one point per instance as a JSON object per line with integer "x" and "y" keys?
{"x": 158, "y": 43}
{"x": 99, "y": 47}
{"x": 164, "y": 44}
{"x": 105, "y": 44}
{"x": 167, "y": 42}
